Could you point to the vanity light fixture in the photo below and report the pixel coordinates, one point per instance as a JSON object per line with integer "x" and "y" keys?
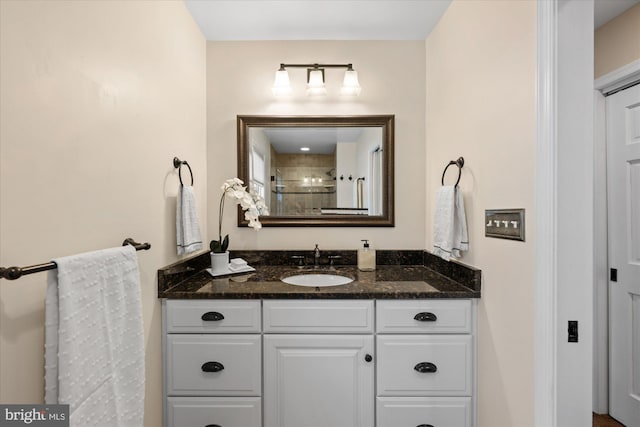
{"x": 304, "y": 148}
{"x": 281, "y": 87}
{"x": 315, "y": 82}
{"x": 315, "y": 79}
{"x": 350, "y": 84}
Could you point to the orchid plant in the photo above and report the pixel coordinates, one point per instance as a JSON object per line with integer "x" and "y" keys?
{"x": 252, "y": 203}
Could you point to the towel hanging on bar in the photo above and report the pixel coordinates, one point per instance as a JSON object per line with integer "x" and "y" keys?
{"x": 94, "y": 338}
{"x": 188, "y": 238}
{"x": 360, "y": 193}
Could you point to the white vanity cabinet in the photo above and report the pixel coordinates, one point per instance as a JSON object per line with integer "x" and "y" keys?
{"x": 425, "y": 363}
{"x": 320, "y": 363}
{"x": 212, "y": 363}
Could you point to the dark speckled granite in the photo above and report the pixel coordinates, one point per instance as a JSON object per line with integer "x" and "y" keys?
{"x": 383, "y": 257}
{"x": 454, "y": 270}
{"x": 182, "y": 270}
{"x": 399, "y": 275}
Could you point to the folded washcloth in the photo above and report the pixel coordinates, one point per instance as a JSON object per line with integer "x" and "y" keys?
{"x": 237, "y": 264}
{"x": 187, "y": 225}
{"x": 450, "y": 224}
{"x": 94, "y": 339}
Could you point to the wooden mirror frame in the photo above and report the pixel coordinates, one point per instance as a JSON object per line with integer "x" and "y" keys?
{"x": 386, "y": 122}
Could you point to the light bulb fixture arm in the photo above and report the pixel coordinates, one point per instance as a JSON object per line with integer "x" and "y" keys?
{"x": 318, "y": 66}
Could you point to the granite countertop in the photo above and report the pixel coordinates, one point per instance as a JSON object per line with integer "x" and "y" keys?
{"x": 184, "y": 281}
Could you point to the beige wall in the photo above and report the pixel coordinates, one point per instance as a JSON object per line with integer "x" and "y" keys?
{"x": 96, "y": 99}
{"x": 617, "y": 42}
{"x": 239, "y": 80}
{"x": 480, "y": 104}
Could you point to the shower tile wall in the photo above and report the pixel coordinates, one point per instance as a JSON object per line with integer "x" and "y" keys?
{"x": 291, "y": 195}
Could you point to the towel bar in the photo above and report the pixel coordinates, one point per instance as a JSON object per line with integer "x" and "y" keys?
{"x": 13, "y": 273}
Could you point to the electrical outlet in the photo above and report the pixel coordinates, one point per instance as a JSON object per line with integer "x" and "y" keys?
{"x": 573, "y": 331}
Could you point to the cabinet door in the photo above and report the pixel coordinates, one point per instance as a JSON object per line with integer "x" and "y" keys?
{"x": 318, "y": 381}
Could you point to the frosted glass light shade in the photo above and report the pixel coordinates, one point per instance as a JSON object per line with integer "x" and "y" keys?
{"x": 350, "y": 85}
{"x": 281, "y": 85}
{"x": 315, "y": 86}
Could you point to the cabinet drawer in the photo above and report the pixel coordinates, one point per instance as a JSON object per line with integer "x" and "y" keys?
{"x": 318, "y": 316}
{"x": 424, "y": 411}
{"x": 237, "y": 372}
{"x": 437, "y": 365}
{"x": 217, "y": 316}
{"x": 214, "y": 411}
{"x": 424, "y": 316}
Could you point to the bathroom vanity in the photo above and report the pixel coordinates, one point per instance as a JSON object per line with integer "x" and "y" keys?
{"x": 396, "y": 347}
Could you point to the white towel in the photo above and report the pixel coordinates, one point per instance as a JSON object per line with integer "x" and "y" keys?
{"x": 237, "y": 264}
{"x": 450, "y": 224}
{"x": 94, "y": 339}
{"x": 187, "y": 225}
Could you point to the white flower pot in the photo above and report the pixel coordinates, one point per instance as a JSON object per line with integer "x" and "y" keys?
{"x": 219, "y": 262}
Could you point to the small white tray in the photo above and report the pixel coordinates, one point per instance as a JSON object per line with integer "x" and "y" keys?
{"x": 228, "y": 271}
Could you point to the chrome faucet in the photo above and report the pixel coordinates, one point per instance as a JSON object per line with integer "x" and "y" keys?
{"x": 316, "y": 256}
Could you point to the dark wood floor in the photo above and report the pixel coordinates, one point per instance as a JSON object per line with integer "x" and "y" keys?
{"x": 605, "y": 421}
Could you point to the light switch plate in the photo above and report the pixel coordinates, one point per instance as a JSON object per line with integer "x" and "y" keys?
{"x": 504, "y": 223}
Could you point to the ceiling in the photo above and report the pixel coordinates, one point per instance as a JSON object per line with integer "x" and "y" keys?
{"x": 317, "y": 19}
{"x": 336, "y": 19}
{"x": 321, "y": 140}
{"x": 606, "y": 10}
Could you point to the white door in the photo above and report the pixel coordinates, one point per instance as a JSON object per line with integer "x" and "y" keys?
{"x": 318, "y": 381}
{"x": 623, "y": 188}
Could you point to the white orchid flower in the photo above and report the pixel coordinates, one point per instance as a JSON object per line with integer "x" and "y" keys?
{"x": 237, "y": 194}
{"x": 251, "y": 203}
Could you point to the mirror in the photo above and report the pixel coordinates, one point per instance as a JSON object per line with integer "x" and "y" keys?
{"x": 319, "y": 170}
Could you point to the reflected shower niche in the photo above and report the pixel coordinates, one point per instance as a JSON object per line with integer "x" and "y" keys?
{"x": 319, "y": 170}
{"x": 301, "y": 184}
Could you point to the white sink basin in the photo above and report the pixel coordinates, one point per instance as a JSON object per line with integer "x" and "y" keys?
{"x": 317, "y": 280}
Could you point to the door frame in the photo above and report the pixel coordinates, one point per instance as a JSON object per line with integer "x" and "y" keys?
{"x": 611, "y": 82}
{"x": 564, "y": 241}
{"x": 545, "y": 373}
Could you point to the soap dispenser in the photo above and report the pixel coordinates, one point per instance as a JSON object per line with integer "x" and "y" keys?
{"x": 366, "y": 257}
